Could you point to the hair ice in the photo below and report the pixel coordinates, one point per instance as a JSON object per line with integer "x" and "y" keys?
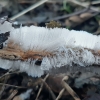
{"x": 68, "y": 48}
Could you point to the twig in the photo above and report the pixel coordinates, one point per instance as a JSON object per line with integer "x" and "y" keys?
{"x": 95, "y": 2}
{"x": 69, "y": 89}
{"x": 41, "y": 87}
{"x": 12, "y": 95}
{"x": 9, "y": 73}
{"x": 84, "y": 5}
{"x": 3, "y": 87}
{"x": 5, "y": 74}
{"x": 60, "y": 94}
{"x": 28, "y": 9}
{"x": 5, "y": 80}
{"x": 12, "y": 85}
{"x": 51, "y": 1}
{"x": 69, "y": 15}
{"x": 50, "y": 91}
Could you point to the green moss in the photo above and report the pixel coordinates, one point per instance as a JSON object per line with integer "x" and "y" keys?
{"x": 53, "y": 24}
{"x": 66, "y": 7}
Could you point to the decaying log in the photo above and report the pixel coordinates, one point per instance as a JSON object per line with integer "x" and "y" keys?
{"x": 18, "y": 54}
